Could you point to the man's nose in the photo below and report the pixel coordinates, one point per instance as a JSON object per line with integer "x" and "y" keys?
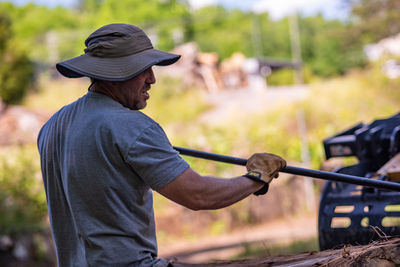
{"x": 150, "y": 76}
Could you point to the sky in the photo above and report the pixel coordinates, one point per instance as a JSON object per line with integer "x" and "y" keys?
{"x": 331, "y": 9}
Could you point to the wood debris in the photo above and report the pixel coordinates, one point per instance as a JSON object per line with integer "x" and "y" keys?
{"x": 378, "y": 253}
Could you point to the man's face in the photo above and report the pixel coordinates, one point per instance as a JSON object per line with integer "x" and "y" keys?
{"x": 133, "y": 93}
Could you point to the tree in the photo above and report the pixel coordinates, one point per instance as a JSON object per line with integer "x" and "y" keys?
{"x": 225, "y": 32}
{"x": 156, "y": 17}
{"x": 328, "y": 47}
{"x": 16, "y": 70}
{"x": 375, "y": 19}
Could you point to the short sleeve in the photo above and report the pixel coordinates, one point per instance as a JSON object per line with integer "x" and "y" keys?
{"x": 154, "y": 159}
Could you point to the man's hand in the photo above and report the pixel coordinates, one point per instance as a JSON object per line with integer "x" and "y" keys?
{"x": 267, "y": 164}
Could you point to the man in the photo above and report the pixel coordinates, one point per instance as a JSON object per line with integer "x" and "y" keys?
{"x": 100, "y": 157}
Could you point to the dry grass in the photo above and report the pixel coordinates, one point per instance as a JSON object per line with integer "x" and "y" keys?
{"x": 51, "y": 95}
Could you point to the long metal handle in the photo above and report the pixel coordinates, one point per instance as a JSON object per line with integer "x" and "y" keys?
{"x": 332, "y": 176}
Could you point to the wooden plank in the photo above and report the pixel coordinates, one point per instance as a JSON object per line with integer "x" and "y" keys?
{"x": 391, "y": 169}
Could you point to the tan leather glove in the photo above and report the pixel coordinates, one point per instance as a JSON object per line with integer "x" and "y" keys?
{"x": 267, "y": 164}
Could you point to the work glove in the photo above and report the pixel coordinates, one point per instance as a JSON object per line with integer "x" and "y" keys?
{"x": 268, "y": 165}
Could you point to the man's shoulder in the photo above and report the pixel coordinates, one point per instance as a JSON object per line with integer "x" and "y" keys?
{"x": 126, "y": 116}
{"x": 124, "y": 123}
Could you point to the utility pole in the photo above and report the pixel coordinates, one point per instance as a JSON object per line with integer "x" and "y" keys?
{"x": 257, "y": 37}
{"x": 296, "y": 49}
{"x": 305, "y": 158}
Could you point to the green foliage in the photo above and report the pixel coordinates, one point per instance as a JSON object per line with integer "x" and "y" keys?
{"x": 5, "y": 32}
{"x": 222, "y": 31}
{"x": 22, "y": 198}
{"x": 138, "y": 11}
{"x": 375, "y": 19}
{"x": 156, "y": 17}
{"x": 328, "y": 47}
{"x": 325, "y": 47}
{"x": 38, "y": 29}
{"x": 31, "y": 22}
{"x": 281, "y": 77}
{"x": 275, "y": 37}
{"x": 16, "y": 70}
{"x": 90, "y": 5}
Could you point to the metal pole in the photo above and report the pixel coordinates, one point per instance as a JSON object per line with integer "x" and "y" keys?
{"x": 296, "y": 48}
{"x": 332, "y": 176}
{"x": 308, "y": 184}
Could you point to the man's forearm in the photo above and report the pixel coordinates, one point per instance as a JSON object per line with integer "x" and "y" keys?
{"x": 221, "y": 192}
{"x": 198, "y": 192}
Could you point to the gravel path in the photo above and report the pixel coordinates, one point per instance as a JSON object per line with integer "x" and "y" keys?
{"x": 230, "y": 105}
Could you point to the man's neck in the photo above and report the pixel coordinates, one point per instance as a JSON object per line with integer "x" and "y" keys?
{"x": 105, "y": 88}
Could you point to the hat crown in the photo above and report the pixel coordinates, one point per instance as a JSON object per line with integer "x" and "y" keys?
{"x": 117, "y": 40}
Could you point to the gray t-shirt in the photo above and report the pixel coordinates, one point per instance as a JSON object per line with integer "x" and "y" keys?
{"x": 99, "y": 161}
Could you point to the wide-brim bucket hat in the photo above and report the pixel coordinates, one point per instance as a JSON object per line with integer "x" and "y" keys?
{"x": 115, "y": 52}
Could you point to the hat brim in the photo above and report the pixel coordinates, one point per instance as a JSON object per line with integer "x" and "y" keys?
{"x": 115, "y": 69}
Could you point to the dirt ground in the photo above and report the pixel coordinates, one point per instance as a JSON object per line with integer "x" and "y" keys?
{"x": 282, "y": 231}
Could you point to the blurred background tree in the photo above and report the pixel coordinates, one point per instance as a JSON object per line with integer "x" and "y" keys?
{"x": 329, "y": 47}
{"x": 375, "y": 19}
{"x": 16, "y": 69}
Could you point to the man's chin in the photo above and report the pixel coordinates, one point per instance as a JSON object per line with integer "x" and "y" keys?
{"x": 140, "y": 106}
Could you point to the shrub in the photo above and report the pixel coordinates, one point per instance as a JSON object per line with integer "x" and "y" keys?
{"x": 22, "y": 198}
